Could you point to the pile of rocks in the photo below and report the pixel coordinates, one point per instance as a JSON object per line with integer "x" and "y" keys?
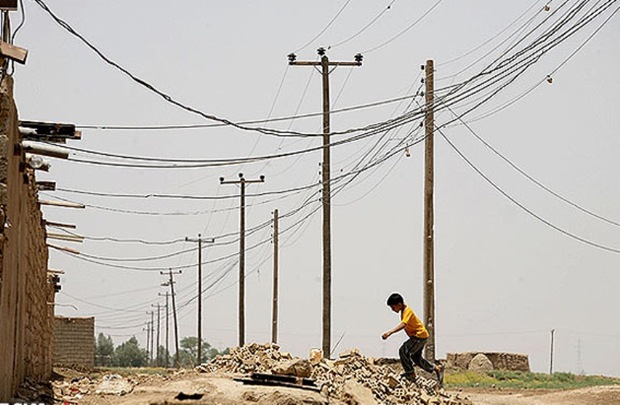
{"x": 336, "y": 377}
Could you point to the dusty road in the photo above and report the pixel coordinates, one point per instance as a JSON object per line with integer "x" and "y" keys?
{"x": 603, "y": 395}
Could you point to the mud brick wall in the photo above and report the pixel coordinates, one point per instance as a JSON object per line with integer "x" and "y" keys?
{"x": 26, "y": 295}
{"x": 500, "y": 361}
{"x": 74, "y": 342}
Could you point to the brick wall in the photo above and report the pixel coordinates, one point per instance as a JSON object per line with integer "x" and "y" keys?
{"x": 500, "y": 361}
{"x": 26, "y": 294}
{"x": 74, "y": 342}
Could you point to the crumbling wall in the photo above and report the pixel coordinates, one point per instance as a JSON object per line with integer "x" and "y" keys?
{"x": 499, "y": 361}
{"x": 26, "y": 294}
{"x": 74, "y": 342}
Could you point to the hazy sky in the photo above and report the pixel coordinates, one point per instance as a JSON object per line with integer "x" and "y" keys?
{"x": 506, "y": 274}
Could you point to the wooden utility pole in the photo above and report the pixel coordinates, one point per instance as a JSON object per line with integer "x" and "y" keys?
{"x": 152, "y": 330}
{"x": 170, "y": 283}
{"x": 429, "y": 271}
{"x": 325, "y": 64}
{"x": 157, "y": 339}
{"x": 199, "y": 240}
{"x": 551, "y": 361}
{"x": 242, "y": 181}
{"x": 167, "y": 324}
{"x": 148, "y": 338}
{"x": 274, "y": 318}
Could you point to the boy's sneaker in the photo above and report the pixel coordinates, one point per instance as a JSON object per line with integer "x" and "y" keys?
{"x": 409, "y": 376}
{"x": 439, "y": 371}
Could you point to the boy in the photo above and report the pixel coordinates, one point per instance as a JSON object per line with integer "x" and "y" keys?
{"x": 411, "y": 351}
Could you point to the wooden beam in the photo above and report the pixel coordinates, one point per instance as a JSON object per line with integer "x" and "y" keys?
{"x": 13, "y": 52}
{"x": 63, "y": 248}
{"x": 61, "y": 204}
{"x": 70, "y": 238}
{"x": 59, "y": 224}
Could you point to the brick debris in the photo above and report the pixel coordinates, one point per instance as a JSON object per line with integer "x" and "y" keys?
{"x": 384, "y": 382}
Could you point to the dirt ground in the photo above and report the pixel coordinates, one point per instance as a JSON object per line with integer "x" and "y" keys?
{"x": 221, "y": 389}
{"x": 602, "y": 395}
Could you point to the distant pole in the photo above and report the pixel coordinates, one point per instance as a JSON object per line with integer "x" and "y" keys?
{"x": 148, "y": 339}
{"x": 199, "y": 240}
{"x": 325, "y": 65}
{"x": 242, "y": 181}
{"x": 157, "y": 361}
{"x": 274, "y": 325}
{"x": 174, "y": 314}
{"x": 429, "y": 271}
{"x": 152, "y": 330}
{"x": 551, "y": 360}
{"x": 167, "y": 324}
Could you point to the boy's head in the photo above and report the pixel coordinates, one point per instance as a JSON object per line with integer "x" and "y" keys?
{"x": 396, "y": 302}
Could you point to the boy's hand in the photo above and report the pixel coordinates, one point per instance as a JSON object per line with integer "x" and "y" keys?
{"x": 385, "y": 335}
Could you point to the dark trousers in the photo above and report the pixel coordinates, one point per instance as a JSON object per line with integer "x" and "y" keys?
{"x": 411, "y": 352}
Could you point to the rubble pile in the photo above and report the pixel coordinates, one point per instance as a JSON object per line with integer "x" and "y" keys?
{"x": 335, "y": 376}
{"x": 253, "y": 358}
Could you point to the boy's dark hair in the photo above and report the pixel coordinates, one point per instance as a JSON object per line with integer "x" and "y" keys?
{"x": 394, "y": 299}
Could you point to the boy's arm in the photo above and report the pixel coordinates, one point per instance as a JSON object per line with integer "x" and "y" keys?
{"x": 398, "y": 328}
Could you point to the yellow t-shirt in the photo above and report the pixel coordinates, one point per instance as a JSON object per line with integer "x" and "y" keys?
{"x": 413, "y": 325}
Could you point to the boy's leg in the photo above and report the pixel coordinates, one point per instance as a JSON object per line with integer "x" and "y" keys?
{"x": 405, "y": 355}
{"x": 427, "y": 365}
{"x": 419, "y": 359}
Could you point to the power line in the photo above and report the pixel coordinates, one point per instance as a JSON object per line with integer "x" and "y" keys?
{"x": 527, "y": 210}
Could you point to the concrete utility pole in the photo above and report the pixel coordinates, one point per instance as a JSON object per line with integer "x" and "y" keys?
{"x": 325, "y": 64}
{"x": 429, "y": 271}
{"x": 199, "y": 240}
{"x": 157, "y": 339}
{"x": 167, "y": 323}
{"x": 274, "y": 318}
{"x": 170, "y": 283}
{"x": 242, "y": 181}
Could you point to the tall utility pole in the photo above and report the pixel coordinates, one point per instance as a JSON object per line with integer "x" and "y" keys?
{"x": 242, "y": 181}
{"x": 551, "y": 361}
{"x": 157, "y": 340}
{"x": 199, "y": 240}
{"x": 167, "y": 323}
{"x": 325, "y": 64}
{"x": 152, "y": 330}
{"x": 274, "y": 318}
{"x": 429, "y": 271}
{"x": 170, "y": 283}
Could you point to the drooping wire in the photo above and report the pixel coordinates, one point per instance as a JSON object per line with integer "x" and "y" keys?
{"x": 403, "y": 32}
{"x": 329, "y": 24}
{"x": 532, "y": 179}
{"x": 374, "y": 20}
{"x": 524, "y": 208}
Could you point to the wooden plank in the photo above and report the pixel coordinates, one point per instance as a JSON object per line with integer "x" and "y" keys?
{"x": 63, "y": 248}
{"x": 249, "y": 381}
{"x": 59, "y": 224}
{"x": 70, "y": 238}
{"x": 61, "y": 204}
{"x": 13, "y": 52}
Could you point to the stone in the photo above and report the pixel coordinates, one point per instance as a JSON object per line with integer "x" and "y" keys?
{"x": 480, "y": 364}
{"x": 296, "y": 367}
{"x": 354, "y": 393}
